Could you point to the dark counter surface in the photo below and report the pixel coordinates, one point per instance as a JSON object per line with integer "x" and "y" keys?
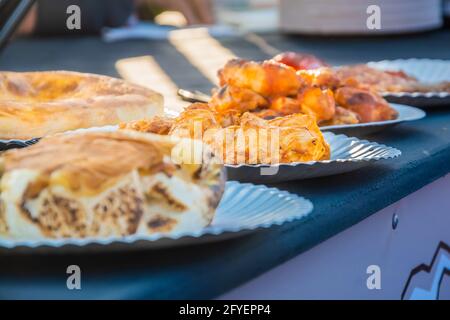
{"x": 206, "y": 271}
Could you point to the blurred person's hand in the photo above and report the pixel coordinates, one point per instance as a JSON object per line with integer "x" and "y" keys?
{"x": 195, "y": 11}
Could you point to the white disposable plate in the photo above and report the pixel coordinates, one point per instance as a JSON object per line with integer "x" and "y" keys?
{"x": 427, "y": 71}
{"x": 405, "y": 113}
{"x": 347, "y": 154}
{"x": 243, "y": 208}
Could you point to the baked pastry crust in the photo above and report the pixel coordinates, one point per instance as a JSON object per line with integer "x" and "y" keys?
{"x": 249, "y": 139}
{"x": 101, "y": 184}
{"x": 36, "y": 104}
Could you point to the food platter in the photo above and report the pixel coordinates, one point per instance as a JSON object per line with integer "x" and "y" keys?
{"x": 405, "y": 113}
{"x": 243, "y": 208}
{"x": 347, "y": 154}
{"x": 121, "y": 184}
{"x": 427, "y": 71}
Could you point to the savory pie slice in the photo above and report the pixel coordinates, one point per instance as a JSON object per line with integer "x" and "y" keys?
{"x": 36, "y": 104}
{"x": 100, "y": 184}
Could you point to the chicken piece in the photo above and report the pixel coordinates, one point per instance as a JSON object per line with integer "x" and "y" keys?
{"x": 286, "y": 106}
{"x": 194, "y": 121}
{"x": 312, "y": 101}
{"x": 158, "y": 124}
{"x": 324, "y": 78}
{"x": 299, "y": 61}
{"x": 294, "y": 138}
{"x": 342, "y": 116}
{"x": 283, "y": 106}
{"x": 318, "y": 102}
{"x": 368, "y": 105}
{"x": 239, "y": 100}
{"x": 268, "y": 78}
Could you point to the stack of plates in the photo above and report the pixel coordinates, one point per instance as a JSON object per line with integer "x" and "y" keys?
{"x": 260, "y": 20}
{"x": 350, "y": 16}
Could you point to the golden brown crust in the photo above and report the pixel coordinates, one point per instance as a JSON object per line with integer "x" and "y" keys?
{"x": 36, "y": 104}
{"x": 342, "y": 116}
{"x": 369, "y": 106}
{"x": 267, "y": 78}
{"x": 88, "y": 162}
{"x": 239, "y": 100}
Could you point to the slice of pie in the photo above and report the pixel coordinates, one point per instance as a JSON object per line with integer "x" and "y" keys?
{"x": 100, "y": 184}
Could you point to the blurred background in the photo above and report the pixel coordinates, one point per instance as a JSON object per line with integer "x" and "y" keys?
{"x": 312, "y": 17}
{"x": 180, "y": 44}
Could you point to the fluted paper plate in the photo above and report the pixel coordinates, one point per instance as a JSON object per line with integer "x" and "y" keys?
{"x": 243, "y": 208}
{"x": 347, "y": 154}
{"x": 405, "y": 113}
{"x": 425, "y": 70}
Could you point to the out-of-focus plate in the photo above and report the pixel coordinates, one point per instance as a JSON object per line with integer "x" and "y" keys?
{"x": 347, "y": 154}
{"x": 243, "y": 208}
{"x": 405, "y": 113}
{"x": 428, "y": 71}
